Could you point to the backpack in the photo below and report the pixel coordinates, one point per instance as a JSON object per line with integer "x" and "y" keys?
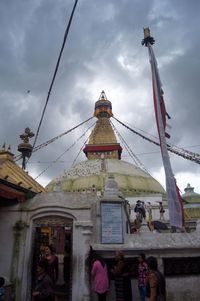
{"x": 161, "y": 287}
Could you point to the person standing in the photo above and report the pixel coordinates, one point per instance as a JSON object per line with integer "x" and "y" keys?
{"x": 142, "y": 276}
{"x": 44, "y": 287}
{"x": 122, "y": 278}
{"x": 149, "y": 211}
{"x": 52, "y": 260}
{"x": 156, "y": 287}
{"x": 140, "y": 209}
{"x": 99, "y": 274}
{"x": 162, "y": 211}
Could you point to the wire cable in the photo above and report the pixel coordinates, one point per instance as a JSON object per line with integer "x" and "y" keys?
{"x": 173, "y": 149}
{"x": 18, "y": 157}
{"x": 56, "y": 69}
{"x": 73, "y": 144}
{"x": 73, "y": 163}
{"x": 136, "y": 160}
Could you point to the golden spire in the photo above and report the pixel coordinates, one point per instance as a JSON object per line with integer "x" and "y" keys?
{"x": 102, "y": 139}
{"x": 103, "y": 107}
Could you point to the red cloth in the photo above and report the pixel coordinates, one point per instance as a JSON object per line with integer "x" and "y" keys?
{"x": 142, "y": 271}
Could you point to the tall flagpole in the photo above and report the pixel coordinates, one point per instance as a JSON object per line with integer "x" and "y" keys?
{"x": 175, "y": 204}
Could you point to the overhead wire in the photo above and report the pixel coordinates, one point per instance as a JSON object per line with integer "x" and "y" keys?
{"x": 73, "y": 163}
{"x": 179, "y": 149}
{"x": 173, "y": 149}
{"x": 60, "y": 156}
{"x": 129, "y": 150}
{"x": 38, "y": 147}
{"x": 56, "y": 69}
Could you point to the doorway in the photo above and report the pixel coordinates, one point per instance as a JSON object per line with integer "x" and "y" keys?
{"x": 56, "y": 232}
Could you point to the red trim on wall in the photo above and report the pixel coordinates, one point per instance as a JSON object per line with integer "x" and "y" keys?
{"x": 103, "y": 148}
{"x": 9, "y": 193}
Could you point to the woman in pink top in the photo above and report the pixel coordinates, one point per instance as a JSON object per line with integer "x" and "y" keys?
{"x": 99, "y": 273}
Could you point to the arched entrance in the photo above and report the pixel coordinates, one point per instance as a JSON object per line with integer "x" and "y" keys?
{"x": 57, "y": 232}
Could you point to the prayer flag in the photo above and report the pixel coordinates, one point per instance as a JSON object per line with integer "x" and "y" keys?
{"x": 173, "y": 196}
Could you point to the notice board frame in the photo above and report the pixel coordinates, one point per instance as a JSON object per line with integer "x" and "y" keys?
{"x": 111, "y": 223}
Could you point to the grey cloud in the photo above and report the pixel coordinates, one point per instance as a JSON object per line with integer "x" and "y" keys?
{"x": 31, "y": 33}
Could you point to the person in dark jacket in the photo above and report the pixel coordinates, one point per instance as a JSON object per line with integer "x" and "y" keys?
{"x": 52, "y": 260}
{"x": 121, "y": 275}
{"x": 156, "y": 286}
{"x": 140, "y": 209}
{"x": 44, "y": 287}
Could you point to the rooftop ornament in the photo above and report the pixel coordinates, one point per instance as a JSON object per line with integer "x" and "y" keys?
{"x": 25, "y": 148}
{"x": 147, "y": 37}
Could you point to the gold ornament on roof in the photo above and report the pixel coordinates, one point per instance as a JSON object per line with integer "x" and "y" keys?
{"x": 27, "y": 135}
{"x": 147, "y": 32}
{"x": 25, "y": 147}
{"x": 148, "y": 40}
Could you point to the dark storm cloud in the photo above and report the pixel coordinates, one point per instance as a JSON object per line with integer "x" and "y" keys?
{"x": 103, "y": 51}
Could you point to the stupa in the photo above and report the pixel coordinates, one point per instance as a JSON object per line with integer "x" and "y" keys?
{"x": 103, "y": 154}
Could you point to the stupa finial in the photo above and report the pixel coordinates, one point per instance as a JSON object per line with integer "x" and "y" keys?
{"x": 147, "y": 37}
{"x": 103, "y": 107}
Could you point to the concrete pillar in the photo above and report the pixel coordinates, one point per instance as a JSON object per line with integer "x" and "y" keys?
{"x": 81, "y": 242}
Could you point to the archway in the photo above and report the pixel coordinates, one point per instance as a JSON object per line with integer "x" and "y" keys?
{"x": 57, "y": 232}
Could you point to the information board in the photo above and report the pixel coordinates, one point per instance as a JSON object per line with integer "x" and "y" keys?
{"x": 111, "y": 223}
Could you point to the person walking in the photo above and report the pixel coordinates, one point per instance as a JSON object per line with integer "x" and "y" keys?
{"x": 121, "y": 275}
{"x": 142, "y": 276}
{"x": 156, "y": 285}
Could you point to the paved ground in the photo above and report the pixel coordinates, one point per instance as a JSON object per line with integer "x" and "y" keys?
{"x": 62, "y": 293}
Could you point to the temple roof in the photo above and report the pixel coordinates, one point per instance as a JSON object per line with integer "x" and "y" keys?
{"x": 190, "y": 196}
{"x": 92, "y": 174}
{"x": 12, "y": 173}
{"x": 192, "y": 213}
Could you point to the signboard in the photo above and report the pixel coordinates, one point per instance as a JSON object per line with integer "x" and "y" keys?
{"x": 111, "y": 223}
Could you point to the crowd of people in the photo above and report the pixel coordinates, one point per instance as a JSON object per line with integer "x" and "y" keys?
{"x": 144, "y": 211}
{"x": 151, "y": 282}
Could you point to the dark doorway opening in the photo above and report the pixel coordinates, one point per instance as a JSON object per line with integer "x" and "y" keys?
{"x": 58, "y": 234}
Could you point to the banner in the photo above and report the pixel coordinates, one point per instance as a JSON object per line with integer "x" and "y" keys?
{"x": 173, "y": 196}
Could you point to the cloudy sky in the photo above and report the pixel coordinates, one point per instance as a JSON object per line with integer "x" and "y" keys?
{"x": 103, "y": 52}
